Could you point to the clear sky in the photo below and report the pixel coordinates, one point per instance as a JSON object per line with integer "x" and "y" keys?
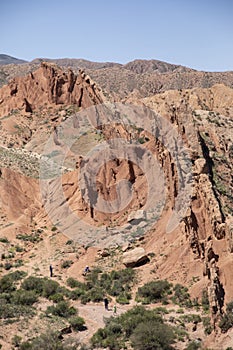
{"x": 194, "y": 33}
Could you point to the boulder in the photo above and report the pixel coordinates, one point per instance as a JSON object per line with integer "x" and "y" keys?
{"x": 135, "y": 257}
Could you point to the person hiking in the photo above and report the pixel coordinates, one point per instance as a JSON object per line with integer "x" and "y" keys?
{"x": 106, "y": 303}
{"x": 86, "y": 270}
{"x": 114, "y": 309}
{"x": 51, "y": 270}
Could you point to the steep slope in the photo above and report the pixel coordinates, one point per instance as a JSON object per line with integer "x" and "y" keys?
{"x": 205, "y": 118}
{"x": 197, "y": 253}
{"x": 48, "y": 85}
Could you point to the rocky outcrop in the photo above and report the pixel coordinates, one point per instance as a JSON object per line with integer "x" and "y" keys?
{"x": 135, "y": 257}
{"x": 49, "y": 85}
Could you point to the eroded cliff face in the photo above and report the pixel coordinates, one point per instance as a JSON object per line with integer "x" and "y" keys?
{"x": 49, "y": 85}
{"x": 204, "y": 117}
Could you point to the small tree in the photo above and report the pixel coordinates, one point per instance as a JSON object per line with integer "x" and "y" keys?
{"x": 152, "y": 335}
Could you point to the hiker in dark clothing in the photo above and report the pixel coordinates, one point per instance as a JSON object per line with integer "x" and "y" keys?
{"x": 106, "y": 303}
{"x": 86, "y": 270}
{"x": 51, "y": 270}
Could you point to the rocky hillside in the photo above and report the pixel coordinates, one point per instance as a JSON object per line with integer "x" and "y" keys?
{"x": 52, "y": 117}
{"x": 140, "y": 77}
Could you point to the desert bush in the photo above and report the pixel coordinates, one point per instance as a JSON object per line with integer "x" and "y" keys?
{"x": 181, "y": 296}
{"x": 77, "y": 323}
{"x": 33, "y": 238}
{"x": 66, "y": 264}
{"x": 14, "y": 311}
{"x": 61, "y": 309}
{"x": 24, "y": 297}
{"x": 76, "y": 294}
{"x": 227, "y": 320}
{"x": 8, "y": 265}
{"x": 123, "y": 298}
{"x": 46, "y": 341}
{"x": 4, "y": 240}
{"x": 57, "y": 297}
{"x": 50, "y": 287}
{"x": 42, "y": 286}
{"x": 97, "y": 284}
{"x": 17, "y": 275}
{"x": 208, "y": 328}
{"x": 153, "y": 292}
{"x": 73, "y": 283}
{"x": 152, "y": 335}
{"x": 7, "y": 284}
{"x": 16, "y": 340}
{"x": 205, "y": 300}
{"x": 144, "y": 328}
{"x": 193, "y": 345}
{"x": 33, "y": 283}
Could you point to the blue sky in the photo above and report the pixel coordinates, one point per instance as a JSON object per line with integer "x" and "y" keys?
{"x": 194, "y": 33}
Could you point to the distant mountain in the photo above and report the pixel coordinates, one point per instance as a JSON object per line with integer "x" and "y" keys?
{"x": 138, "y": 66}
{"x": 76, "y": 63}
{"x": 5, "y": 59}
{"x": 140, "y": 78}
{"x": 149, "y": 66}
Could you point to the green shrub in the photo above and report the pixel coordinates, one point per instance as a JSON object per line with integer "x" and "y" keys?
{"x": 227, "y": 320}
{"x": 15, "y": 311}
{"x": 33, "y": 283}
{"x": 145, "y": 329}
{"x": 46, "y": 341}
{"x": 73, "y": 283}
{"x": 8, "y": 265}
{"x": 207, "y": 325}
{"x": 16, "y": 340}
{"x": 152, "y": 335}
{"x": 181, "y": 296}
{"x": 18, "y": 263}
{"x": 61, "y": 309}
{"x": 95, "y": 294}
{"x": 56, "y": 298}
{"x": 17, "y": 275}
{"x": 205, "y": 300}
{"x": 77, "y": 323}
{"x": 4, "y": 240}
{"x": 66, "y": 264}
{"x": 24, "y": 297}
{"x": 193, "y": 345}
{"x": 76, "y": 294}
{"x": 123, "y": 298}
{"x": 42, "y": 286}
{"x": 50, "y": 288}
{"x": 98, "y": 284}
{"x": 7, "y": 284}
{"x": 154, "y": 291}
{"x": 33, "y": 238}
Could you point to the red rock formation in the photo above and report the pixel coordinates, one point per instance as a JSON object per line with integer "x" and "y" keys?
{"x": 49, "y": 85}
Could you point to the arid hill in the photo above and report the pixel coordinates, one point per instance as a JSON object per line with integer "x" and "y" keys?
{"x": 141, "y": 77}
{"x": 53, "y": 104}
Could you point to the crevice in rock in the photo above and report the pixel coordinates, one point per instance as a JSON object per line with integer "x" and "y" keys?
{"x": 210, "y": 165}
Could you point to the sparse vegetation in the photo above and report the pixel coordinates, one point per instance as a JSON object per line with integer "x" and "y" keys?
{"x": 115, "y": 283}
{"x": 144, "y": 328}
{"x": 227, "y": 320}
{"x": 153, "y": 292}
